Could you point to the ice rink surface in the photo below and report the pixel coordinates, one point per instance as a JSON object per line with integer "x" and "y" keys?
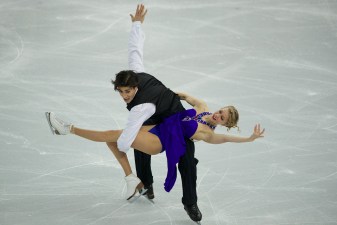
{"x": 276, "y": 61}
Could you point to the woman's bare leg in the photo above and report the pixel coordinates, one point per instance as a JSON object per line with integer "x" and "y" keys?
{"x": 99, "y": 136}
{"x": 145, "y": 141}
{"x": 121, "y": 157}
{"x": 61, "y": 127}
{"x": 133, "y": 183}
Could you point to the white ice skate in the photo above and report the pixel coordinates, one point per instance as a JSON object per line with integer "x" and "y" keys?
{"x": 57, "y": 126}
{"x": 134, "y": 185}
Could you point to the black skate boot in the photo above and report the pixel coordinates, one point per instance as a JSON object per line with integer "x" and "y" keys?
{"x": 193, "y": 212}
{"x": 149, "y": 193}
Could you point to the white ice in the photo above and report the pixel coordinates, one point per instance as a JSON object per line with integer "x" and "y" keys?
{"x": 276, "y": 61}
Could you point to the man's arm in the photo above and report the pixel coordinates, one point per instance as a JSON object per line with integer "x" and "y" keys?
{"x": 137, "y": 116}
{"x": 136, "y": 40}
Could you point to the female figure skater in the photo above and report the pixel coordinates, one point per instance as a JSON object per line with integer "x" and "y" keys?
{"x": 197, "y": 124}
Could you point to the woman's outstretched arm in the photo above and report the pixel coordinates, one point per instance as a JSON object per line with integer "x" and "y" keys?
{"x": 214, "y": 138}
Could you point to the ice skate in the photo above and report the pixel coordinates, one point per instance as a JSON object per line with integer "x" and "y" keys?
{"x": 57, "y": 126}
{"x": 193, "y": 212}
{"x": 134, "y": 184}
{"x": 149, "y": 193}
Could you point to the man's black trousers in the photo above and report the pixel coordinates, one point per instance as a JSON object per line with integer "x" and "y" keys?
{"x": 187, "y": 167}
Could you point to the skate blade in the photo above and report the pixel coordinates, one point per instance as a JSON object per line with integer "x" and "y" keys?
{"x": 142, "y": 191}
{"x": 150, "y": 200}
{"x": 52, "y": 129}
{"x": 48, "y": 120}
{"x": 135, "y": 196}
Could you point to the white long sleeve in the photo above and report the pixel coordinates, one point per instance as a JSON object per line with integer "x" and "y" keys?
{"x": 137, "y": 116}
{"x": 135, "y": 48}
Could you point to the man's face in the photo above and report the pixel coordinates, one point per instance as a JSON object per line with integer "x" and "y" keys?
{"x": 127, "y": 93}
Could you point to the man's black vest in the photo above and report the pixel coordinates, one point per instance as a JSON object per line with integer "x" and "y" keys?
{"x": 151, "y": 90}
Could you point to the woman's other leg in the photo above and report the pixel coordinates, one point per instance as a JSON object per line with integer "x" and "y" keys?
{"x": 121, "y": 157}
{"x": 133, "y": 183}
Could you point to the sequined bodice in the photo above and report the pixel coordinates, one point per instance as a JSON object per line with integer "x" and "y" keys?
{"x": 198, "y": 118}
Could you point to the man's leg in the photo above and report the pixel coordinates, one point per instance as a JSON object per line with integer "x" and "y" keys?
{"x": 144, "y": 172}
{"x": 188, "y": 171}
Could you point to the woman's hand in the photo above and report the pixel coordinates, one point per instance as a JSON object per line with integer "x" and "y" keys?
{"x": 257, "y": 133}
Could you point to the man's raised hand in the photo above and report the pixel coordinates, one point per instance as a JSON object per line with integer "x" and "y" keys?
{"x": 140, "y": 14}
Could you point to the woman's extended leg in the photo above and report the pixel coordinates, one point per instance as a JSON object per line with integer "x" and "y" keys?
{"x": 99, "y": 136}
{"x": 145, "y": 141}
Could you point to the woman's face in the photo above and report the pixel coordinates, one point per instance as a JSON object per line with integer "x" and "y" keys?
{"x": 221, "y": 116}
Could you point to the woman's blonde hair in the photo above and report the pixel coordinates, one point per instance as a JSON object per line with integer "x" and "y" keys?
{"x": 233, "y": 118}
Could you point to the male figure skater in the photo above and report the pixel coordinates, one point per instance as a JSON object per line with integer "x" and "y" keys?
{"x": 149, "y": 102}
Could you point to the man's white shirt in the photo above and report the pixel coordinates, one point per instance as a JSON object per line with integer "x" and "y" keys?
{"x": 140, "y": 113}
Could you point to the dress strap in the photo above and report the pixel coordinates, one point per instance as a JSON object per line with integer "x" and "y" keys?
{"x": 199, "y": 119}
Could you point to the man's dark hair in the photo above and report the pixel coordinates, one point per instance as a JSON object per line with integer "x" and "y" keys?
{"x": 125, "y": 78}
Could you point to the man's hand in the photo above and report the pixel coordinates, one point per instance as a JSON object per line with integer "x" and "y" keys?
{"x": 140, "y": 14}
